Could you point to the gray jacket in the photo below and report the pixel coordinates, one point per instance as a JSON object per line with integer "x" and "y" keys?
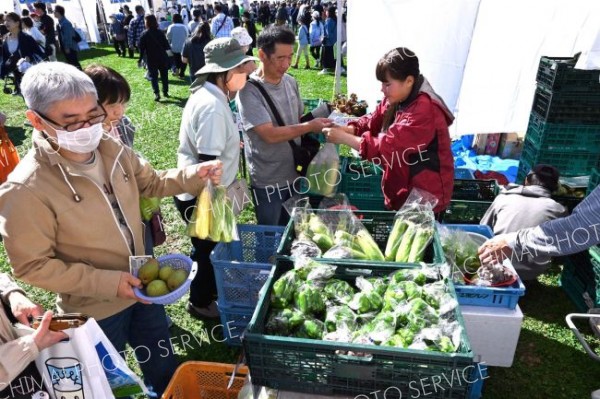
{"x": 522, "y": 207}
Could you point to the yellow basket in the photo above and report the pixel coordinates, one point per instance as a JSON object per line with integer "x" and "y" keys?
{"x": 205, "y": 380}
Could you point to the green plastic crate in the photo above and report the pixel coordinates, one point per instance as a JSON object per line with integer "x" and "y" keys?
{"x": 568, "y": 163}
{"x": 366, "y": 203}
{"x": 311, "y": 103}
{"x": 563, "y": 137}
{"x": 594, "y": 180}
{"x": 378, "y": 223}
{"x": 475, "y": 190}
{"x": 360, "y": 178}
{"x": 317, "y": 367}
{"x": 559, "y": 74}
{"x": 566, "y": 107}
{"x": 465, "y": 212}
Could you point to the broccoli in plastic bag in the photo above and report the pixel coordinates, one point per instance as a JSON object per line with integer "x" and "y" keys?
{"x": 403, "y": 338}
{"x": 340, "y": 317}
{"x": 380, "y": 284}
{"x": 339, "y": 291}
{"x": 308, "y": 299}
{"x": 381, "y": 328}
{"x": 284, "y": 289}
{"x": 283, "y": 322}
{"x": 311, "y": 328}
{"x": 363, "y": 302}
{"x": 310, "y": 270}
{"x": 416, "y": 275}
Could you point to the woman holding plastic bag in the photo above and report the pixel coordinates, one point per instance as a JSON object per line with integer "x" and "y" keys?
{"x": 407, "y": 133}
{"x": 208, "y": 132}
{"x": 17, "y": 351}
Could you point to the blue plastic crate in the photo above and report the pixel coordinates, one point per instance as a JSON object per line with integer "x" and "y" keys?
{"x": 480, "y": 374}
{"x": 234, "y": 321}
{"x": 464, "y": 174}
{"x": 242, "y": 267}
{"x": 496, "y": 297}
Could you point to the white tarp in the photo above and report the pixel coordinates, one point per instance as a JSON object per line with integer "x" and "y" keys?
{"x": 481, "y": 56}
{"x": 81, "y": 13}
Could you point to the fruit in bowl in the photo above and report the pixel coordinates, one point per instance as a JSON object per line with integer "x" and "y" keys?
{"x": 160, "y": 281}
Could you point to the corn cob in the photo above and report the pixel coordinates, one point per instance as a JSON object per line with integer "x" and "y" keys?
{"x": 404, "y": 249}
{"x": 417, "y": 249}
{"x": 218, "y": 214}
{"x": 369, "y": 247}
{"x": 204, "y": 214}
{"x": 394, "y": 239}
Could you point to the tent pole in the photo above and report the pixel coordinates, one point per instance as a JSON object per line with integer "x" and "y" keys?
{"x": 85, "y": 20}
{"x": 338, "y": 48}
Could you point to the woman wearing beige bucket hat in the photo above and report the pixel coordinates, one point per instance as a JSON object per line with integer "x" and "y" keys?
{"x": 208, "y": 131}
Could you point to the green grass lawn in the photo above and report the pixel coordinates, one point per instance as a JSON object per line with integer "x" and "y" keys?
{"x": 549, "y": 362}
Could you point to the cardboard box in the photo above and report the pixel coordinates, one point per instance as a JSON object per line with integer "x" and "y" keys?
{"x": 493, "y": 333}
{"x": 487, "y": 144}
{"x": 510, "y": 146}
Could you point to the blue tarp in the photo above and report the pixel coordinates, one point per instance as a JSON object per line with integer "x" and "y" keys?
{"x": 465, "y": 157}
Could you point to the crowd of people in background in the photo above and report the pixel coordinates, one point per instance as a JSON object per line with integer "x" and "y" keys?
{"x": 36, "y": 36}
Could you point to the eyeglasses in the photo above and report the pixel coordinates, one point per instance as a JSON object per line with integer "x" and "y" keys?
{"x": 71, "y": 127}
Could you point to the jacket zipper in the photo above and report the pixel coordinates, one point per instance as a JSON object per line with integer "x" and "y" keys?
{"x": 111, "y": 208}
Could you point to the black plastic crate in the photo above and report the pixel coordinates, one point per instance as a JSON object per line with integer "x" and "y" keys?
{"x": 563, "y": 137}
{"x": 318, "y": 367}
{"x": 559, "y": 74}
{"x": 465, "y": 212}
{"x": 567, "y": 162}
{"x": 559, "y": 107}
{"x": 475, "y": 190}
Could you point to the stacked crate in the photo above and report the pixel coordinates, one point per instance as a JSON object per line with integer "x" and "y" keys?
{"x": 564, "y": 125}
{"x": 580, "y": 278}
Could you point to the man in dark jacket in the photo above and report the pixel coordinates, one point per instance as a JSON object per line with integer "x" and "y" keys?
{"x": 67, "y": 37}
{"x": 47, "y": 28}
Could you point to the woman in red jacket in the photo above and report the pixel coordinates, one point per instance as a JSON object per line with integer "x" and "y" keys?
{"x": 407, "y": 134}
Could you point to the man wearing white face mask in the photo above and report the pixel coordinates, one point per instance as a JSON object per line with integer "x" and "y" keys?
{"x": 70, "y": 217}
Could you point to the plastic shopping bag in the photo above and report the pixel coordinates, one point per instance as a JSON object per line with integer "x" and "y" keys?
{"x": 213, "y": 217}
{"x": 87, "y": 366}
{"x": 323, "y": 174}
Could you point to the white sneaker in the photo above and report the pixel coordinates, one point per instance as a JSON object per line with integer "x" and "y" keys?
{"x": 324, "y": 72}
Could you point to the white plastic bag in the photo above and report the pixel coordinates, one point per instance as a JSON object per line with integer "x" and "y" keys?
{"x": 86, "y": 366}
{"x": 323, "y": 174}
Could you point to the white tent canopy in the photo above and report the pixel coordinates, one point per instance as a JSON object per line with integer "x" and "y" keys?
{"x": 481, "y": 56}
{"x": 81, "y": 13}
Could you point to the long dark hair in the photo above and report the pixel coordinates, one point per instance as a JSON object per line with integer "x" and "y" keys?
{"x": 202, "y": 33}
{"x": 151, "y": 22}
{"x": 399, "y": 63}
{"x": 13, "y": 16}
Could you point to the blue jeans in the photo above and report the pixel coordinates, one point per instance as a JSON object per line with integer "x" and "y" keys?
{"x": 144, "y": 328}
{"x": 268, "y": 205}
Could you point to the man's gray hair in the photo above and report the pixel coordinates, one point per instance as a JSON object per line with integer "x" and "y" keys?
{"x": 48, "y": 82}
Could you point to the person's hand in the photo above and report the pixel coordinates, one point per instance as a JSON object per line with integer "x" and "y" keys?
{"x": 494, "y": 251}
{"x": 22, "y": 307}
{"x": 335, "y": 135}
{"x": 212, "y": 170}
{"x": 126, "y": 284}
{"x": 43, "y": 337}
{"x": 318, "y": 124}
{"x": 67, "y": 51}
